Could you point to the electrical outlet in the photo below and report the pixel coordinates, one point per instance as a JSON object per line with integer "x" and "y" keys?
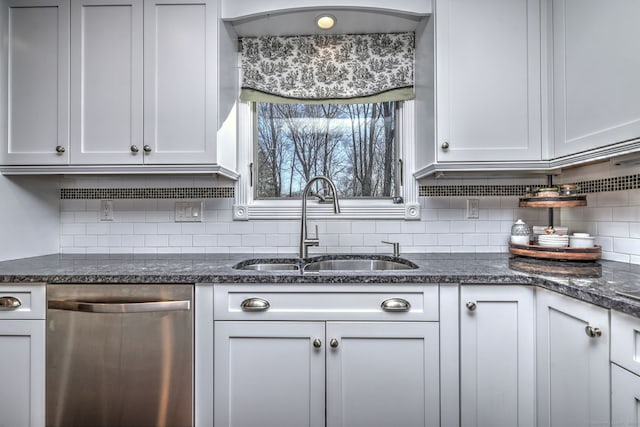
{"x": 473, "y": 208}
{"x": 106, "y": 210}
{"x": 189, "y": 211}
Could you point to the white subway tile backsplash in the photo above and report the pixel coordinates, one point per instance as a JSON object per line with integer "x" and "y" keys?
{"x": 74, "y": 229}
{"x": 158, "y": 240}
{"x": 145, "y": 228}
{"x": 613, "y": 229}
{"x": 626, "y": 246}
{"x": 181, "y": 240}
{"x": 147, "y": 225}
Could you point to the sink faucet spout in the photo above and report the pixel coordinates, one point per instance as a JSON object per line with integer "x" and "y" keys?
{"x": 305, "y": 240}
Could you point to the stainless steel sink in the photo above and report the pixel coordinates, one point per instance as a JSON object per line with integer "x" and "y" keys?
{"x": 359, "y": 264}
{"x": 268, "y": 266}
{"x": 328, "y": 263}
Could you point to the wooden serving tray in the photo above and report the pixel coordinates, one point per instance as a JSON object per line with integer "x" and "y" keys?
{"x": 564, "y": 253}
{"x": 553, "y": 202}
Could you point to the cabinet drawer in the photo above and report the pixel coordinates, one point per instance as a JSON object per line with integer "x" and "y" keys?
{"x": 326, "y": 302}
{"x": 625, "y": 341}
{"x": 29, "y": 300}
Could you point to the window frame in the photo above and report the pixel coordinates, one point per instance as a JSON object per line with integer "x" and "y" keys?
{"x": 246, "y": 207}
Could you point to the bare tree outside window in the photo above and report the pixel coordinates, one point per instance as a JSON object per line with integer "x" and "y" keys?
{"x": 353, "y": 144}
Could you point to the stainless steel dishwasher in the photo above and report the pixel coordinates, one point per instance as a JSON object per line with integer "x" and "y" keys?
{"x": 119, "y": 355}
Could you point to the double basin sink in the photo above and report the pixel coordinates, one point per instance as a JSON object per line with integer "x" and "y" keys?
{"x": 328, "y": 263}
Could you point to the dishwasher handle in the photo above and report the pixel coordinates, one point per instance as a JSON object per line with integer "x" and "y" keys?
{"x": 119, "y": 306}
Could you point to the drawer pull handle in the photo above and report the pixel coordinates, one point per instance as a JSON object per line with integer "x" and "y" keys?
{"x": 471, "y": 306}
{"x": 255, "y": 304}
{"x": 593, "y": 332}
{"x": 317, "y": 343}
{"x": 334, "y": 343}
{"x": 395, "y": 304}
{"x": 9, "y": 303}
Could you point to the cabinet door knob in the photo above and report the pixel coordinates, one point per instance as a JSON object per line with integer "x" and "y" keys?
{"x": 60, "y": 149}
{"x": 334, "y": 343}
{"x": 317, "y": 343}
{"x": 395, "y": 304}
{"x": 134, "y": 149}
{"x": 471, "y": 306}
{"x": 593, "y": 332}
{"x": 147, "y": 148}
{"x": 9, "y": 303}
{"x": 255, "y": 304}
{"x": 445, "y": 145}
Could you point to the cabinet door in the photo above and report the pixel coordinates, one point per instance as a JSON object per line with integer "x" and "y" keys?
{"x": 497, "y": 356}
{"x": 382, "y": 374}
{"x": 106, "y": 81}
{"x": 269, "y": 374}
{"x": 180, "y": 48}
{"x": 572, "y": 367}
{"x": 22, "y": 373}
{"x": 37, "y": 40}
{"x": 596, "y": 85}
{"x": 488, "y": 80}
{"x": 625, "y": 398}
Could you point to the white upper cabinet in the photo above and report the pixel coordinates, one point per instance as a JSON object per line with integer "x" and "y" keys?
{"x": 596, "y": 86}
{"x": 106, "y": 81}
{"x": 180, "y": 99}
{"x": 36, "y": 33}
{"x": 488, "y": 81}
{"x": 117, "y": 85}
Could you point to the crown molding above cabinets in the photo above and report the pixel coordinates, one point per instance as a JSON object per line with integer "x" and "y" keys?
{"x": 111, "y": 86}
{"x": 530, "y": 86}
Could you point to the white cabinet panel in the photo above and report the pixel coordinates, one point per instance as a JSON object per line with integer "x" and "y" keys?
{"x": 22, "y": 372}
{"x": 625, "y": 398}
{"x": 497, "y": 356}
{"x": 37, "y": 42}
{"x": 488, "y": 80}
{"x": 572, "y": 367}
{"x": 382, "y": 374}
{"x": 180, "y": 81}
{"x": 625, "y": 341}
{"x": 269, "y": 374}
{"x": 596, "y": 62}
{"x": 106, "y": 81}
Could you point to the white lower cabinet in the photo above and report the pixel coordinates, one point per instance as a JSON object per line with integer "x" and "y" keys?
{"x": 331, "y": 368}
{"x": 625, "y": 370}
{"x": 572, "y": 362}
{"x": 22, "y": 356}
{"x": 625, "y": 398}
{"x": 497, "y": 356}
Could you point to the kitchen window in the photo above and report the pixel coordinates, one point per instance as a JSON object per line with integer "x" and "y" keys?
{"x": 334, "y": 105}
{"x": 353, "y": 144}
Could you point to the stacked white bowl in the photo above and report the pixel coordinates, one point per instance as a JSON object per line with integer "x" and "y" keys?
{"x": 553, "y": 240}
{"x": 581, "y": 240}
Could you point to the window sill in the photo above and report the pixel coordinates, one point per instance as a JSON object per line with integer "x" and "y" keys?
{"x": 349, "y": 209}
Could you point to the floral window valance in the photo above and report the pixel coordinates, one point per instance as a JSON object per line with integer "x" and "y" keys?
{"x": 352, "y": 68}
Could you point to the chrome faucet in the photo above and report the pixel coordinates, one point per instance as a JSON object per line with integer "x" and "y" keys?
{"x": 305, "y": 240}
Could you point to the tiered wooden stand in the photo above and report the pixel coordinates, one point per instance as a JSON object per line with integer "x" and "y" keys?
{"x": 555, "y": 253}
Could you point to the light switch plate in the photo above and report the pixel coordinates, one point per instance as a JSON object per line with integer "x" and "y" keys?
{"x": 106, "y": 210}
{"x": 473, "y": 208}
{"x": 189, "y": 211}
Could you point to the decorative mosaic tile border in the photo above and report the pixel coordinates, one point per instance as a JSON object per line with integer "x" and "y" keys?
{"x": 618, "y": 183}
{"x": 474, "y": 190}
{"x": 629, "y": 182}
{"x": 148, "y": 193}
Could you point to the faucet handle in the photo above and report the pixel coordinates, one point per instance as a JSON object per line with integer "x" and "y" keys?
{"x": 396, "y": 247}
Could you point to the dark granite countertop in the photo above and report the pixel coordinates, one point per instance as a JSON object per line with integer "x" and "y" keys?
{"x": 432, "y": 268}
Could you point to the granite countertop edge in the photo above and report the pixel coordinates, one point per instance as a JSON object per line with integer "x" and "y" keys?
{"x": 488, "y": 269}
